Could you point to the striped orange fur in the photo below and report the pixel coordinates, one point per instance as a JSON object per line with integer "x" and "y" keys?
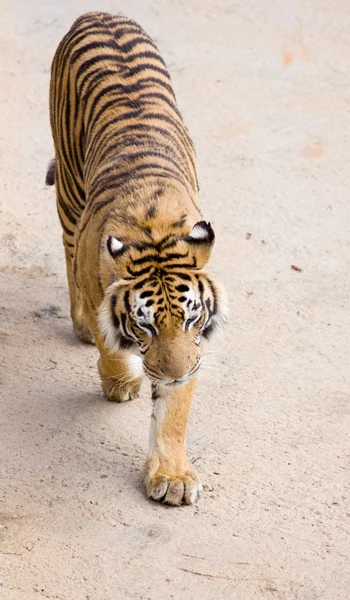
{"x": 135, "y": 242}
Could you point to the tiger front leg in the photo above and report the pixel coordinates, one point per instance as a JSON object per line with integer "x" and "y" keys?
{"x": 168, "y": 477}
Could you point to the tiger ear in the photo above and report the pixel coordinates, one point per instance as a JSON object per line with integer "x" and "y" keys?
{"x": 120, "y": 254}
{"x": 201, "y": 241}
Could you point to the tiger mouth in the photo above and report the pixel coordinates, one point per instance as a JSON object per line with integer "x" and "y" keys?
{"x": 174, "y": 382}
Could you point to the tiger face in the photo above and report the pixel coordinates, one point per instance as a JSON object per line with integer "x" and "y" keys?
{"x": 162, "y": 304}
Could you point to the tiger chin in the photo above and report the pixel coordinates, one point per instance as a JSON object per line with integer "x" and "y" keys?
{"x": 135, "y": 242}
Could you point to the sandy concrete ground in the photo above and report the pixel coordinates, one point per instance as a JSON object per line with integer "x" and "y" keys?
{"x": 264, "y": 88}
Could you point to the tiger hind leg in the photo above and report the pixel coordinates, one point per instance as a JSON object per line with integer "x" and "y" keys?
{"x": 76, "y": 302}
{"x": 121, "y": 374}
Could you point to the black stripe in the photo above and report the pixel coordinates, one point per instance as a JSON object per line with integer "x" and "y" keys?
{"x": 140, "y": 284}
{"x": 158, "y": 259}
{"x": 209, "y": 309}
{"x": 127, "y": 302}
{"x": 138, "y": 273}
{"x": 116, "y": 321}
{"x": 145, "y": 54}
{"x": 182, "y": 288}
{"x": 160, "y": 96}
{"x": 132, "y": 27}
{"x": 157, "y": 81}
{"x": 215, "y": 296}
{"x": 185, "y": 266}
{"x": 183, "y": 276}
{"x": 124, "y": 341}
{"x": 146, "y": 294}
{"x": 108, "y": 42}
{"x": 123, "y": 324}
{"x": 140, "y": 68}
{"x": 63, "y": 206}
{"x": 140, "y": 39}
{"x": 70, "y": 211}
{"x": 64, "y": 227}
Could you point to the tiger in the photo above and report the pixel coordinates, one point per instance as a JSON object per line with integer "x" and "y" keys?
{"x": 134, "y": 238}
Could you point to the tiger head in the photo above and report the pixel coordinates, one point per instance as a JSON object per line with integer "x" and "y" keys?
{"x": 162, "y": 303}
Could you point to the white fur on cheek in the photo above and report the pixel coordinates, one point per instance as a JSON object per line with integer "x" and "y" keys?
{"x": 188, "y": 310}
{"x": 147, "y": 317}
{"x": 106, "y": 326}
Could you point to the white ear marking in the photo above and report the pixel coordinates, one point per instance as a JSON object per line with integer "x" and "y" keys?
{"x": 198, "y": 233}
{"x": 114, "y": 245}
{"x": 201, "y": 232}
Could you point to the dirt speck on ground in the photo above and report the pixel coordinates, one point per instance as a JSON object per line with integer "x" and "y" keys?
{"x": 263, "y": 87}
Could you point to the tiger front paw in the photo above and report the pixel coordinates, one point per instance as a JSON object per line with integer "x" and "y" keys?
{"x": 120, "y": 392}
{"x": 122, "y": 387}
{"x": 175, "y": 488}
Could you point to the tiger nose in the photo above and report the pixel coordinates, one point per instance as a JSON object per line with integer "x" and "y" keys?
{"x": 175, "y": 369}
